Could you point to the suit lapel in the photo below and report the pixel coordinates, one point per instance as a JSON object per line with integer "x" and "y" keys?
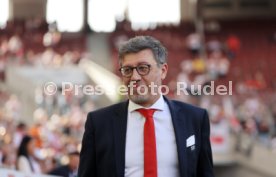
{"x": 119, "y": 132}
{"x": 180, "y": 129}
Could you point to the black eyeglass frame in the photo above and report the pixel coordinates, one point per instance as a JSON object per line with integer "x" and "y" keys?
{"x": 137, "y": 69}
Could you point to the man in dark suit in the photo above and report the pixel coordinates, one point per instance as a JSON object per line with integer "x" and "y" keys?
{"x": 69, "y": 170}
{"x": 148, "y": 135}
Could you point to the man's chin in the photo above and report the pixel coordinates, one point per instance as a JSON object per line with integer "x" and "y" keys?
{"x": 139, "y": 99}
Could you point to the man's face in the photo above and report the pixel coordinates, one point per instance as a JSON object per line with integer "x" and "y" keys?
{"x": 138, "y": 86}
{"x": 74, "y": 162}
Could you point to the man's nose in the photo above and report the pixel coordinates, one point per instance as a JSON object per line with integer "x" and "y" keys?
{"x": 135, "y": 75}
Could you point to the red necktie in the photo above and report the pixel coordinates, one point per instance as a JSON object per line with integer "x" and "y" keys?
{"x": 150, "y": 160}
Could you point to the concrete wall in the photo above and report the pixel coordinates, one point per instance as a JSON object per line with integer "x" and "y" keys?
{"x": 235, "y": 9}
{"x": 25, "y": 9}
{"x": 188, "y": 9}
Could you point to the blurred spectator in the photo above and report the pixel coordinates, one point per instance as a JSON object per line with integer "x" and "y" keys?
{"x": 13, "y": 107}
{"x": 47, "y": 136}
{"x": 20, "y": 132}
{"x": 47, "y": 57}
{"x": 256, "y": 83}
{"x": 199, "y": 65}
{"x": 16, "y": 45}
{"x": 233, "y": 45}
{"x": 186, "y": 66}
{"x": 223, "y": 66}
{"x": 212, "y": 67}
{"x": 4, "y": 46}
{"x": 7, "y": 156}
{"x": 69, "y": 170}
{"x": 193, "y": 43}
{"x": 35, "y": 131}
{"x": 26, "y": 160}
{"x": 214, "y": 45}
{"x": 2, "y": 67}
{"x": 256, "y": 118}
{"x": 51, "y": 38}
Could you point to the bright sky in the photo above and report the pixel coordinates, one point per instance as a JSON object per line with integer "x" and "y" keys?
{"x": 67, "y": 13}
{"x": 145, "y": 13}
{"x": 103, "y": 14}
{"x": 4, "y": 12}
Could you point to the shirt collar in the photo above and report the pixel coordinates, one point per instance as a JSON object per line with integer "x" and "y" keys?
{"x": 159, "y": 105}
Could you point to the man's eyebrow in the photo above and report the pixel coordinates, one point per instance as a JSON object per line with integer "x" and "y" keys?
{"x": 140, "y": 63}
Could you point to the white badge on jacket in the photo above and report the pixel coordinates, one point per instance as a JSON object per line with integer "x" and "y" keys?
{"x": 190, "y": 142}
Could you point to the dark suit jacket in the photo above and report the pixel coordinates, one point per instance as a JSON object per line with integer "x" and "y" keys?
{"x": 103, "y": 144}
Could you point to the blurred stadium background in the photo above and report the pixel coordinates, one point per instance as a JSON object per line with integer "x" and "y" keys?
{"x": 76, "y": 41}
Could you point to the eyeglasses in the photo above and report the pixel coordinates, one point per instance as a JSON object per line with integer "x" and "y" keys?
{"x": 142, "y": 69}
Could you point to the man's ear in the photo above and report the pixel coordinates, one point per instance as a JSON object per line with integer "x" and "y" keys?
{"x": 164, "y": 70}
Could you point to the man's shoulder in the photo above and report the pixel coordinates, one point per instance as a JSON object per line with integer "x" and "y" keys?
{"x": 185, "y": 106}
{"x": 111, "y": 108}
{"x": 189, "y": 110}
{"x": 108, "y": 111}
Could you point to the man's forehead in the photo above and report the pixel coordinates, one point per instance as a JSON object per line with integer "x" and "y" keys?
{"x": 144, "y": 56}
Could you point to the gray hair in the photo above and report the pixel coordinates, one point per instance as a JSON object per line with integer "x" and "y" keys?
{"x": 140, "y": 43}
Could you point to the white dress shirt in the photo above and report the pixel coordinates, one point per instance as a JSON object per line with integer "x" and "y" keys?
{"x": 167, "y": 158}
